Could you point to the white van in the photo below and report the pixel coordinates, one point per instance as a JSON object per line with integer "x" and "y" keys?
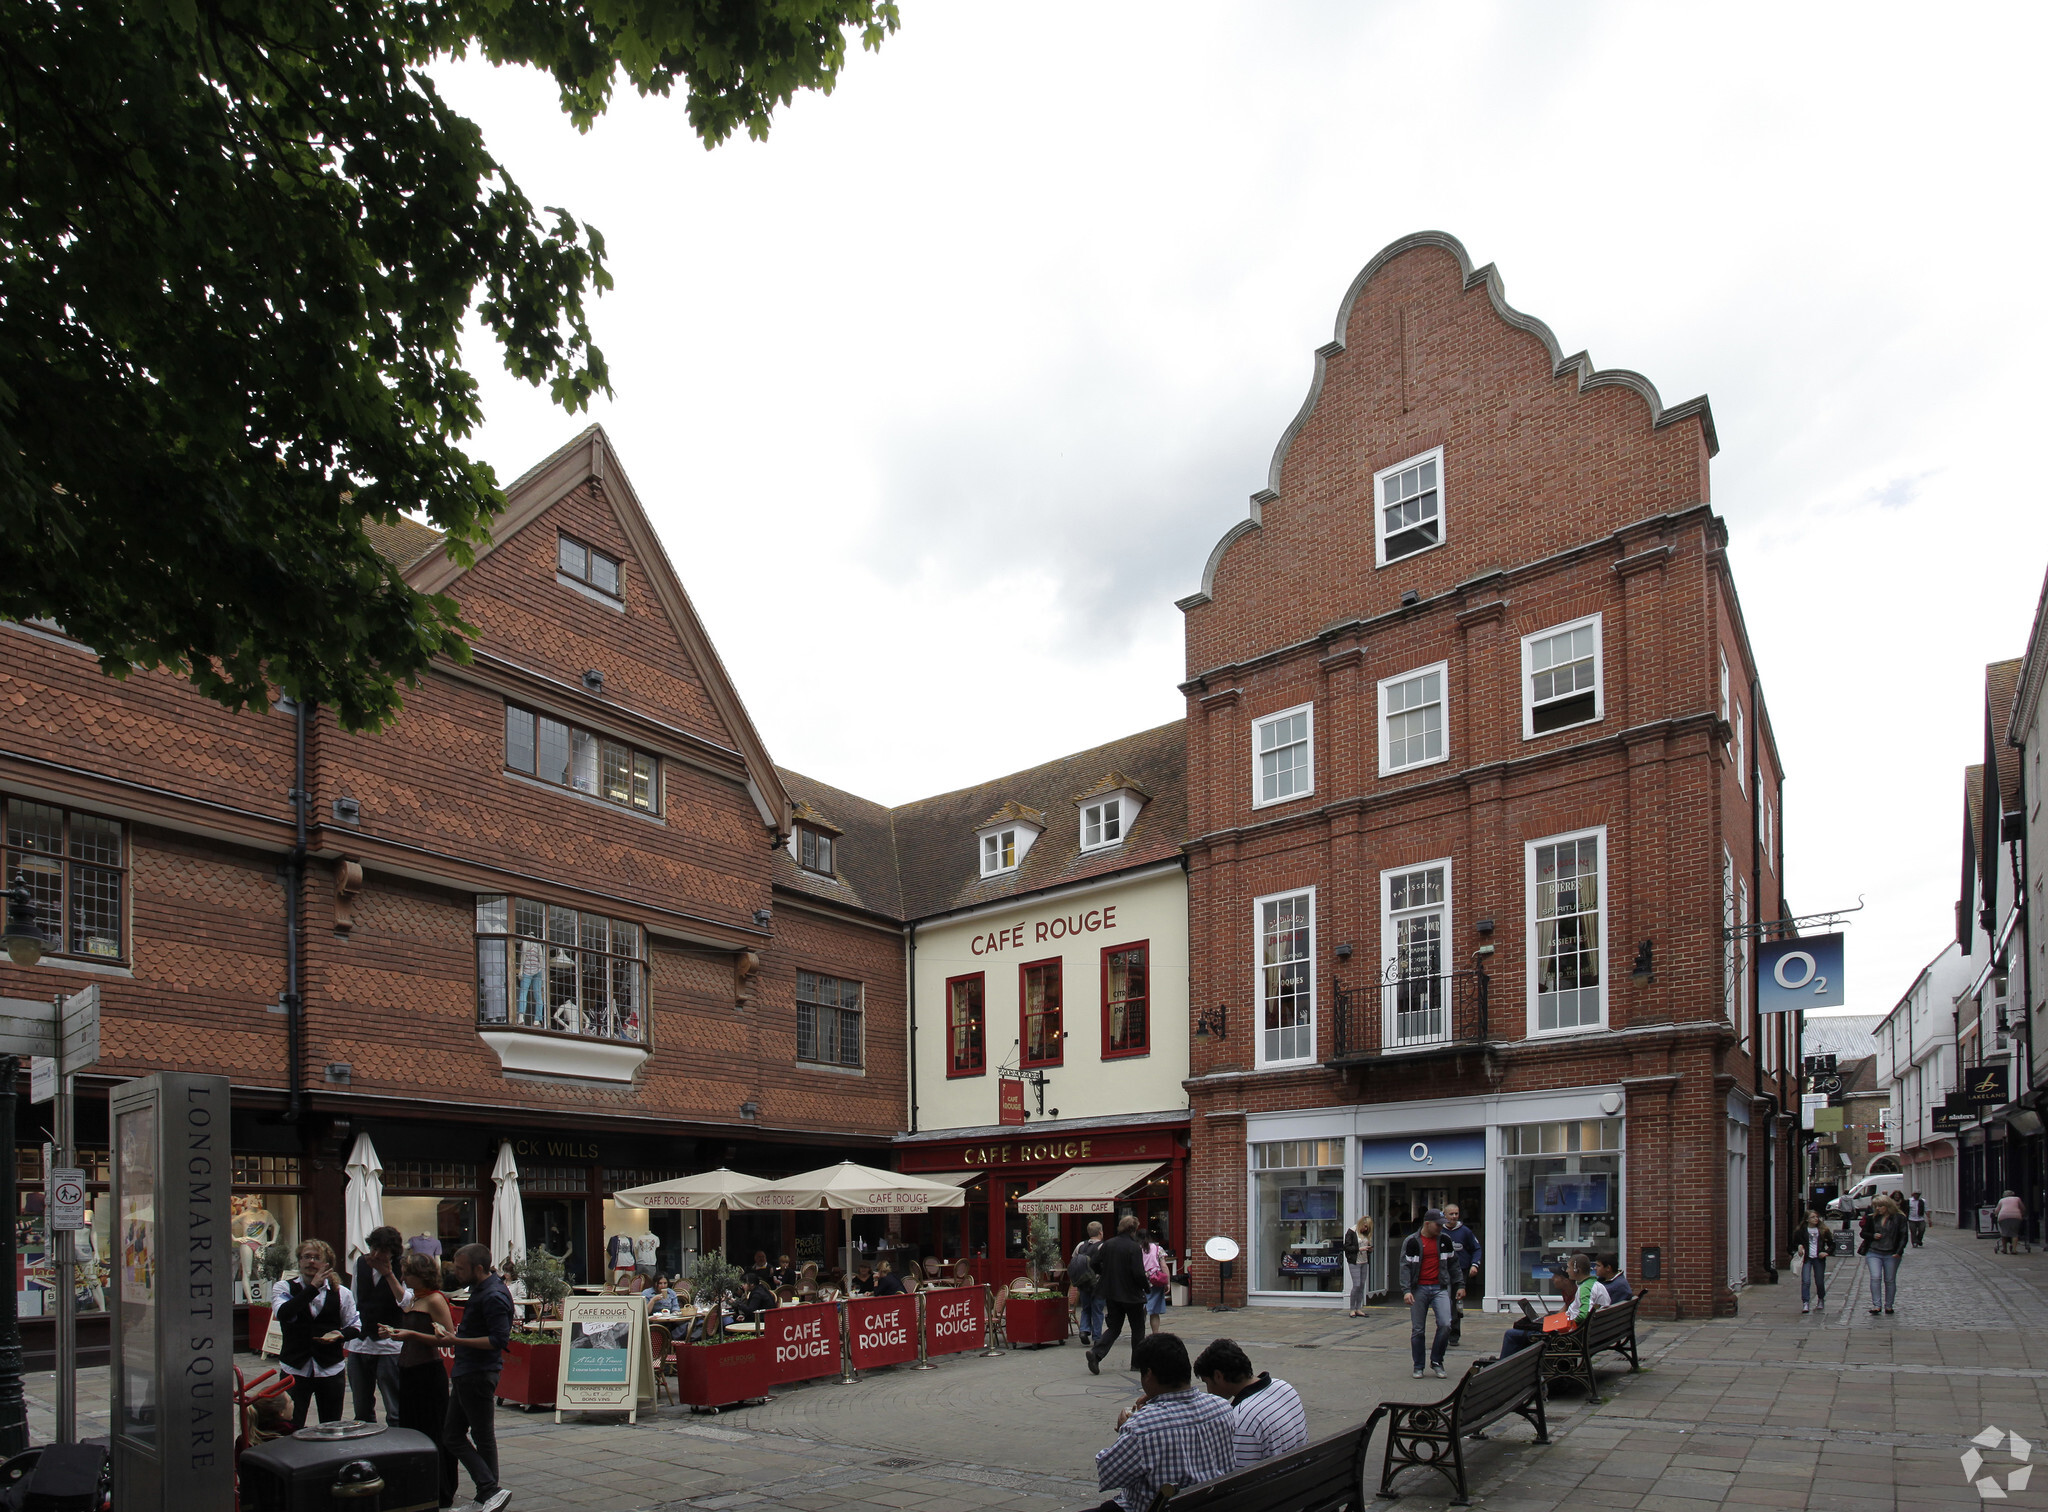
{"x": 1858, "y": 1198}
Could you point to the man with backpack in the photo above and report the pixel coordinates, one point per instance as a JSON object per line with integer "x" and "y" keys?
{"x": 1120, "y": 1282}
{"x": 1081, "y": 1275}
{"x": 1432, "y": 1278}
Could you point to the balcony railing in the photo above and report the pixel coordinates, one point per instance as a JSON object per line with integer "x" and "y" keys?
{"x": 1406, "y": 1011}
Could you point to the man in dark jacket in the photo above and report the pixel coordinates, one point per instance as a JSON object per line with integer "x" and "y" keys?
{"x": 1432, "y": 1278}
{"x": 469, "y": 1434}
{"x": 1081, "y": 1272}
{"x": 1121, "y": 1285}
{"x": 380, "y": 1299}
{"x": 1459, "y": 1232}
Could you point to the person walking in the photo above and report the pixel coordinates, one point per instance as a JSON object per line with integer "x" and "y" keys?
{"x": 1816, "y": 1243}
{"x": 1082, "y": 1275}
{"x": 1884, "y": 1241}
{"x": 1358, "y": 1261}
{"x": 1432, "y": 1277}
{"x": 2011, "y": 1216}
{"x": 422, "y": 1378}
{"x": 469, "y": 1433}
{"x": 315, "y": 1314}
{"x": 1916, "y": 1217}
{"x": 1121, "y": 1283}
{"x": 1461, "y": 1234}
{"x": 1158, "y": 1281}
{"x": 380, "y": 1301}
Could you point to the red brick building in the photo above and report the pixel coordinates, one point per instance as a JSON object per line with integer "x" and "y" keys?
{"x": 1478, "y": 773}
{"x": 545, "y": 907}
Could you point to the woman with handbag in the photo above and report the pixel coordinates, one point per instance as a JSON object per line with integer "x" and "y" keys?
{"x": 1882, "y": 1245}
{"x": 1358, "y": 1260}
{"x": 1158, "y": 1281}
{"x": 1816, "y": 1246}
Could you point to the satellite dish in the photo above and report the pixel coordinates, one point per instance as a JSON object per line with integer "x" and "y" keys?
{"x": 1220, "y": 1248}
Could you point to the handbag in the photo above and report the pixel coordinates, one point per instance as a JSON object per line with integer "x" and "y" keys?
{"x": 1557, "y": 1323}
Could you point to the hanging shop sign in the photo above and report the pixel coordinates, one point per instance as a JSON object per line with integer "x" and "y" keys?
{"x": 1009, "y": 1100}
{"x": 882, "y": 1330}
{"x": 1954, "y": 1112}
{"x": 1985, "y": 1086}
{"x": 1801, "y": 973}
{"x": 1827, "y": 1120}
{"x": 604, "y": 1356}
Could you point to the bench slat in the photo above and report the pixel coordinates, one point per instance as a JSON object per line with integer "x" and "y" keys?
{"x": 1324, "y": 1474}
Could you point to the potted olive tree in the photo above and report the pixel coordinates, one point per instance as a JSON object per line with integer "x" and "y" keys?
{"x": 533, "y": 1358}
{"x": 1037, "y": 1313}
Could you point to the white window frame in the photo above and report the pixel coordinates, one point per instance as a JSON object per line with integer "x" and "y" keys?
{"x": 1741, "y": 777}
{"x": 1529, "y": 731}
{"x": 999, "y": 836}
{"x": 1310, "y": 740}
{"x": 1258, "y": 1025}
{"x": 1529, "y": 848}
{"x": 1096, "y": 809}
{"x": 1728, "y": 961}
{"x": 1742, "y": 961}
{"x": 1389, "y": 951}
{"x": 1724, "y": 683}
{"x": 1379, "y": 518}
{"x": 1443, "y": 670}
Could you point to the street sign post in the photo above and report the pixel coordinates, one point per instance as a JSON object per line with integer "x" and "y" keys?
{"x": 65, "y": 1201}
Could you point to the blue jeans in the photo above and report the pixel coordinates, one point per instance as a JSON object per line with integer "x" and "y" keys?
{"x": 1884, "y": 1279}
{"x": 1091, "y": 1315}
{"x": 1429, "y": 1299}
{"x": 533, "y": 1006}
{"x": 1813, "y": 1277}
{"x": 1517, "y": 1339}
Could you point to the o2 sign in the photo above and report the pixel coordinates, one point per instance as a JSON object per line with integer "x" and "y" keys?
{"x": 1805, "y": 973}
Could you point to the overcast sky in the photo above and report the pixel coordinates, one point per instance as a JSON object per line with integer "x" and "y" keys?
{"x": 941, "y": 396}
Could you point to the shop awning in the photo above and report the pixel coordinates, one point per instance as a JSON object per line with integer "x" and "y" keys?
{"x": 952, "y": 1178}
{"x": 1086, "y": 1189}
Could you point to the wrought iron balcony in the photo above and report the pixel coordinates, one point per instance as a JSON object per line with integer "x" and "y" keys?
{"x": 1406, "y": 1013}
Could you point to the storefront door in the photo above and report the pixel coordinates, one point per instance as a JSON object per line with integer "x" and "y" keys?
{"x": 555, "y": 1224}
{"x": 1397, "y": 1207}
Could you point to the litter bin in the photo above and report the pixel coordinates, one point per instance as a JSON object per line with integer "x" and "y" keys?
{"x": 318, "y": 1469}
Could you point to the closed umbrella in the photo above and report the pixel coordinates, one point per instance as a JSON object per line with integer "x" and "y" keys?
{"x": 508, "y": 1215}
{"x": 363, "y": 1202}
{"x": 854, "y": 1188}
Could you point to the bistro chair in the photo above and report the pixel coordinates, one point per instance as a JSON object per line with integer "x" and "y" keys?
{"x": 998, "y": 1334}
{"x": 658, "y": 1346}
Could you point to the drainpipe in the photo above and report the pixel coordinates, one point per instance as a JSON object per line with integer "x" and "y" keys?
{"x": 1756, "y": 1017}
{"x": 910, "y": 1012}
{"x": 294, "y": 892}
{"x": 2022, "y": 868}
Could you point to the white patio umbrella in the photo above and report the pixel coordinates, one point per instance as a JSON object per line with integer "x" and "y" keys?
{"x": 717, "y": 1191}
{"x": 854, "y": 1188}
{"x": 363, "y": 1203}
{"x": 508, "y": 1216}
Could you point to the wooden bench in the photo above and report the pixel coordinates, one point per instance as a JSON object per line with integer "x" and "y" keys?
{"x": 1326, "y": 1476}
{"x": 1569, "y": 1356}
{"x": 1431, "y": 1435}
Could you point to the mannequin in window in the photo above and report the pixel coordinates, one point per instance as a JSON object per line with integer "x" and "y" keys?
{"x": 532, "y": 971}
{"x": 424, "y": 1244}
{"x": 563, "y": 967}
{"x": 86, "y": 1254}
{"x": 620, "y": 1249}
{"x": 646, "y": 1254}
{"x": 253, "y": 1229}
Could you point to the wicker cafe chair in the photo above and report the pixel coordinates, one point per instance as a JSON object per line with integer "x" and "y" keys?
{"x": 998, "y": 1334}
{"x": 658, "y": 1345}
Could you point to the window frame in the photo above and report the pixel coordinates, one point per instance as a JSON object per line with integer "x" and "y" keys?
{"x": 823, "y": 845}
{"x": 1008, "y": 833}
{"x": 1260, "y": 1061}
{"x": 1443, "y": 670}
{"x": 980, "y": 1068}
{"x": 1597, "y": 832}
{"x": 1379, "y": 513}
{"x": 510, "y": 936}
{"x": 1390, "y": 951}
{"x": 1529, "y": 705}
{"x": 1109, "y": 1051}
{"x": 1059, "y": 1055}
{"x": 584, "y": 580}
{"x": 1738, "y": 750}
{"x": 67, "y": 863}
{"x": 859, "y": 1012}
{"x": 634, "y": 754}
{"x": 1308, "y": 742}
{"x": 1096, "y": 807}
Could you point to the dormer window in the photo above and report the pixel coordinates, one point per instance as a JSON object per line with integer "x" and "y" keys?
{"x": 1005, "y": 837}
{"x": 1108, "y": 810}
{"x": 1102, "y": 823}
{"x": 814, "y": 851}
{"x": 586, "y": 567}
{"x": 998, "y": 852}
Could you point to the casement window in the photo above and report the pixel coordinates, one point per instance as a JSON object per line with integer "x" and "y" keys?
{"x": 1415, "y": 921}
{"x": 1126, "y": 1000}
{"x": 1736, "y": 750}
{"x": 998, "y": 852}
{"x": 1763, "y": 819}
{"x": 544, "y": 967}
{"x": 1567, "y": 929}
{"x": 814, "y": 850}
{"x": 1412, "y": 719}
{"x": 1724, "y": 686}
{"x": 827, "y": 1020}
{"x": 1102, "y": 824}
{"x": 558, "y": 752}
{"x": 76, "y": 867}
{"x": 1561, "y": 678}
{"x": 966, "y": 1039}
{"x": 1043, "y": 1043}
{"x": 1283, "y": 758}
{"x": 1286, "y": 924}
{"x": 588, "y": 566}
{"x": 1411, "y": 515}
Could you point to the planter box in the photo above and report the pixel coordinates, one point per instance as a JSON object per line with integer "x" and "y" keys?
{"x": 1035, "y": 1321}
{"x": 715, "y": 1375}
{"x": 259, "y": 1325}
{"x": 529, "y": 1374}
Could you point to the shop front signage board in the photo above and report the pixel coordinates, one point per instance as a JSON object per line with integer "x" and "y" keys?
{"x": 1800, "y": 973}
{"x": 1985, "y": 1086}
{"x": 977, "y": 1154}
{"x": 604, "y": 1356}
{"x": 1407, "y": 1156}
{"x": 1874, "y": 1142}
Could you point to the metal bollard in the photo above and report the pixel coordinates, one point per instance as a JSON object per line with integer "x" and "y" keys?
{"x": 359, "y": 1486}
{"x": 846, "y": 1375}
{"x": 922, "y": 1362}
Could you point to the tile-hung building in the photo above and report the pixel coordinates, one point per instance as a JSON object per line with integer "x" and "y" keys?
{"x": 542, "y": 908}
{"x": 1480, "y": 792}
{"x": 1044, "y": 924}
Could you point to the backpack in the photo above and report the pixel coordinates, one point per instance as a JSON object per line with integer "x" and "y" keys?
{"x": 1081, "y": 1269}
{"x": 1155, "y": 1265}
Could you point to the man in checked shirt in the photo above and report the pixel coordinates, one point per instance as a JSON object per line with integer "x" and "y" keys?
{"x": 1176, "y": 1435}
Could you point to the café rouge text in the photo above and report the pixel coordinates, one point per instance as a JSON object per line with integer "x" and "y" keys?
{"x": 1039, "y": 931}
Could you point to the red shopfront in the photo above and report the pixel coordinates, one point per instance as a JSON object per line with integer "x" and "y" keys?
{"x": 1146, "y": 1166}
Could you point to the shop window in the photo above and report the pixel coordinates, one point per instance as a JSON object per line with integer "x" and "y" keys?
{"x": 1411, "y": 516}
{"x": 1563, "y": 1185}
{"x": 1561, "y": 683}
{"x": 264, "y": 1221}
{"x": 1040, "y": 991}
{"x": 76, "y": 867}
{"x": 431, "y": 1176}
{"x": 827, "y": 1020}
{"x": 966, "y": 1044}
{"x": 1126, "y": 1000}
{"x": 1283, "y": 759}
{"x": 572, "y": 1181}
{"x": 1567, "y": 923}
{"x": 553, "y": 751}
{"x": 1286, "y": 975}
{"x": 35, "y": 1268}
{"x": 587, "y": 567}
{"x": 1299, "y": 1194}
{"x": 814, "y": 851}
{"x": 551, "y": 969}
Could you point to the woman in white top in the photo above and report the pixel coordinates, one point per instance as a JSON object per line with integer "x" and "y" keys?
{"x": 1816, "y": 1243}
{"x": 316, "y": 1315}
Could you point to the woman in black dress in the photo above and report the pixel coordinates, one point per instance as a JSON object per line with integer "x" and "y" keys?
{"x": 422, "y": 1378}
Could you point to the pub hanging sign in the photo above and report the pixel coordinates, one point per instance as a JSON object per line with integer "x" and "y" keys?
{"x": 1985, "y": 1086}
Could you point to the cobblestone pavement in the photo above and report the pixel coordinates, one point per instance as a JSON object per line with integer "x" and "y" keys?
{"x": 1770, "y": 1409}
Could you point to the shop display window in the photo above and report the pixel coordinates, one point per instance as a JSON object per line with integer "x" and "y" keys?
{"x": 36, "y": 1290}
{"x": 1299, "y": 1190}
{"x": 264, "y": 1222}
{"x": 1564, "y": 1192}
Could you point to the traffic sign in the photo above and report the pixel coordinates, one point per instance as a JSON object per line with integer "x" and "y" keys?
{"x": 35, "y": 1027}
{"x": 67, "y": 1199}
{"x": 42, "y": 1078}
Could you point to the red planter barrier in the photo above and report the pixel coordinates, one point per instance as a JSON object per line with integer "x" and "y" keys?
{"x": 528, "y": 1375}
{"x": 954, "y": 1319}
{"x": 1035, "y": 1320}
{"x": 882, "y": 1331}
{"x": 802, "y": 1342}
{"x": 259, "y": 1325}
{"x": 711, "y": 1375}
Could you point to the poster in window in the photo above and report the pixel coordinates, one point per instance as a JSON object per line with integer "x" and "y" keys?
{"x": 136, "y": 1264}
{"x": 1316, "y": 1204}
{"x": 1583, "y": 1192}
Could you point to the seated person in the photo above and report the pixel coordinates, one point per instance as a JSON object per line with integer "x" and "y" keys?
{"x": 887, "y": 1282}
{"x": 661, "y": 1297}
{"x": 1586, "y": 1293}
{"x": 1266, "y": 1415}
{"x": 1605, "y": 1272}
{"x": 1175, "y": 1435}
{"x": 862, "y": 1283}
{"x": 755, "y": 1297}
{"x": 784, "y": 1273}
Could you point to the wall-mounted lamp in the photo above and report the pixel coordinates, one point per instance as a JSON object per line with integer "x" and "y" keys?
{"x": 23, "y": 940}
{"x": 1644, "y": 971}
{"x": 340, "y": 1072}
{"x": 594, "y": 680}
{"x": 1210, "y": 1024}
{"x": 750, "y": 1110}
{"x": 1482, "y": 952}
{"x": 762, "y": 916}
{"x": 1409, "y": 597}
{"x": 1344, "y": 951}
{"x": 1484, "y": 926}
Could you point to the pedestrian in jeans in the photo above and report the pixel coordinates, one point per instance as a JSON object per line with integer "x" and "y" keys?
{"x": 1884, "y": 1242}
{"x": 1358, "y": 1260}
{"x": 1816, "y": 1246}
{"x": 469, "y": 1433}
{"x": 2011, "y": 1214}
{"x": 1916, "y": 1218}
{"x": 1081, "y": 1271}
{"x": 1121, "y": 1283}
{"x": 1460, "y": 1233}
{"x": 381, "y": 1297}
{"x": 1158, "y": 1281}
{"x": 1432, "y": 1278}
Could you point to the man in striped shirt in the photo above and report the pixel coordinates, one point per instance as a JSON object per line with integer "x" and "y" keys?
{"x": 1175, "y": 1435}
{"x": 1266, "y": 1416}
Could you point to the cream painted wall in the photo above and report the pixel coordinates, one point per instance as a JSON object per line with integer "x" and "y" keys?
{"x": 998, "y": 941}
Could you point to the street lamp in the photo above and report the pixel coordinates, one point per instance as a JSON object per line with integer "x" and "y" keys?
{"x": 23, "y": 940}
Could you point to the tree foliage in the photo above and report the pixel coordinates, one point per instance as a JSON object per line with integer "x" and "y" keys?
{"x": 238, "y": 242}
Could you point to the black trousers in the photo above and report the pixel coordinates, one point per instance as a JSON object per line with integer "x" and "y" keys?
{"x": 325, "y": 1390}
{"x": 469, "y": 1434}
{"x": 371, "y": 1376}
{"x": 1115, "y": 1313}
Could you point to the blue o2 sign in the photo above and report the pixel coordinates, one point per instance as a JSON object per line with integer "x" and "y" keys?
{"x": 1793, "y": 974}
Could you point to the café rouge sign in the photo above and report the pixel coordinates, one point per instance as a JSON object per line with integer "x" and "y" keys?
{"x": 1041, "y": 931}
